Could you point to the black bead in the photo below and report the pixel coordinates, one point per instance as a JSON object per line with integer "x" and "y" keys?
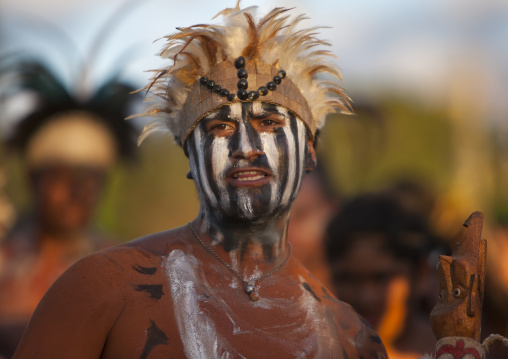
{"x": 242, "y": 74}
{"x": 203, "y": 80}
{"x": 277, "y": 79}
{"x": 210, "y": 84}
{"x": 216, "y": 88}
{"x": 224, "y": 93}
{"x": 231, "y": 97}
{"x": 242, "y": 94}
{"x": 240, "y": 62}
{"x": 253, "y": 95}
{"x": 263, "y": 91}
{"x": 242, "y": 84}
{"x": 282, "y": 74}
{"x": 271, "y": 86}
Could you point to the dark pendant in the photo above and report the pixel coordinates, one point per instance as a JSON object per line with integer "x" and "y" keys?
{"x": 210, "y": 84}
{"x": 263, "y": 91}
{"x": 242, "y": 84}
{"x": 253, "y": 95}
{"x": 249, "y": 288}
{"x": 254, "y": 296}
{"x": 224, "y": 93}
{"x": 242, "y": 94}
{"x": 240, "y": 63}
{"x": 242, "y": 74}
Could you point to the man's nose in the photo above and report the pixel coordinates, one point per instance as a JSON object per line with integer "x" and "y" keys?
{"x": 248, "y": 143}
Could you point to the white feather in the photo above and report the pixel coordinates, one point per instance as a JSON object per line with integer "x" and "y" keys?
{"x": 297, "y": 51}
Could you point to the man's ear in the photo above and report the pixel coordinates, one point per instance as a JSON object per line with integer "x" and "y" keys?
{"x": 311, "y": 160}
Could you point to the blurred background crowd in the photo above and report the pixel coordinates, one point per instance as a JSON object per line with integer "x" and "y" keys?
{"x": 428, "y": 145}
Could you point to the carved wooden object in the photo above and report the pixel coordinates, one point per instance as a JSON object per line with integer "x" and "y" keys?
{"x": 458, "y": 312}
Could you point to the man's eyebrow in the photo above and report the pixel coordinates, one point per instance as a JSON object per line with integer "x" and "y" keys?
{"x": 264, "y": 114}
{"x": 215, "y": 117}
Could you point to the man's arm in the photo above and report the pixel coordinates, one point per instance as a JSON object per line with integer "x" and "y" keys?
{"x": 368, "y": 343}
{"x": 76, "y": 314}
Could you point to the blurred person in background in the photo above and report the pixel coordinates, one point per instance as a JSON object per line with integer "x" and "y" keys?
{"x": 495, "y": 306}
{"x": 315, "y": 205}
{"x": 377, "y": 251}
{"x": 68, "y": 145}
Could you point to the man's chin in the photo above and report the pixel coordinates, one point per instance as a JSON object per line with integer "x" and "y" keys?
{"x": 238, "y": 216}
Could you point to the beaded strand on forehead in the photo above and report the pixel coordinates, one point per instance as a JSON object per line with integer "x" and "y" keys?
{"x": 250, "y": 284}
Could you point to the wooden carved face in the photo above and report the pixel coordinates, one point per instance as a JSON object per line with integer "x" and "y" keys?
{"x": 461, "y": 282}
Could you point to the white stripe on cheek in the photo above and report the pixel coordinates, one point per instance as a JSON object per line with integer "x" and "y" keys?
{"x": 291, "y": 160}
{"x": 272, "y": 155}
{"x": 219, "y": 166}
{"x": 301, "y": 142}
{"x": 201, "y": 169}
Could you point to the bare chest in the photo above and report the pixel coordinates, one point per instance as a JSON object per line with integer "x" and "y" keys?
{"x": 179, "y": 313}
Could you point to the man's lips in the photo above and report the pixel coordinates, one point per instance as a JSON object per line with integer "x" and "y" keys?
{"x": 248, "y": 177}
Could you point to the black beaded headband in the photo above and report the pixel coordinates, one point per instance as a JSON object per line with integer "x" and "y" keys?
{"x": 243, "y": 84}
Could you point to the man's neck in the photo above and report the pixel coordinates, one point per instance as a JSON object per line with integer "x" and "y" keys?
{"x": 248, "y": 247}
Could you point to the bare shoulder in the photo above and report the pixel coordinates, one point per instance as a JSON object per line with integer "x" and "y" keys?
{"x": 363, "y": 340}
{"x": 159, "y": 244}
{"x": 77, "y": 314}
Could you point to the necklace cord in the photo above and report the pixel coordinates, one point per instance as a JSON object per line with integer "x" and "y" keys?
{"x": 251, "y": 280}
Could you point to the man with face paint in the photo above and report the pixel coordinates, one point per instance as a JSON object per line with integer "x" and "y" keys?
{"x": 244, "y": 100}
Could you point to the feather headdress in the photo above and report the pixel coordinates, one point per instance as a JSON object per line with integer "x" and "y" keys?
{"x": 108, "y": 104}
{"x": 269, "y": 44}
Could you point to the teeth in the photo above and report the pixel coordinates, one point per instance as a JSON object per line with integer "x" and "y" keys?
{"x": 248, "y": 175}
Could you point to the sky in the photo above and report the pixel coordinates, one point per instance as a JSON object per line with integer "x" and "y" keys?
{"x": 407, "y": 47}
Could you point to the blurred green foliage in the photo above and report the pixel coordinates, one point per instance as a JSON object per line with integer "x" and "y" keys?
{"x": 393, "y": 139}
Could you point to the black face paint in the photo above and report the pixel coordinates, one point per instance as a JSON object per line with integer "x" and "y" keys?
{"x": 250, "y": 174}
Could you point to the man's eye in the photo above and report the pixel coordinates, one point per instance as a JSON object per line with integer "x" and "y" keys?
{"x": 222, "y": 127}
{"x": 269, "y": 122}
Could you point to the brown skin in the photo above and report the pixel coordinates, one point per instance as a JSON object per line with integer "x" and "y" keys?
{"x": 39, "y": 252}
{"x": 112, "y": 316}
{"x": 65, "y": 197}
{"x": 166, "y": 296}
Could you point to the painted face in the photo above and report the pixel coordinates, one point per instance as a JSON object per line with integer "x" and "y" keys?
{"x": 248, "y": 160}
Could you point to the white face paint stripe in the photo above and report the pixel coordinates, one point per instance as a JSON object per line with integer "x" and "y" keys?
{"x": 244, "y": 144}
{"x": 301, "y": 141}
{"x": 220, "y": 160}
{"x": 198, "y": 139}
{"x": 272, "y": 155}
{"x": 245, "y": 203}
{"x": 291, "y": 159}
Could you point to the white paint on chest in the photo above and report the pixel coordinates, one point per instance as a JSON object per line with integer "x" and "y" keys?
{"x": 324, "y": 340}
{"x": 197, "y": 331}
{"x": 200, "y": 168}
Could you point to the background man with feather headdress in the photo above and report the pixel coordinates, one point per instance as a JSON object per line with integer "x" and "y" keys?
{"x": 244, "y": 100}
{"x": 68, "y": 147}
